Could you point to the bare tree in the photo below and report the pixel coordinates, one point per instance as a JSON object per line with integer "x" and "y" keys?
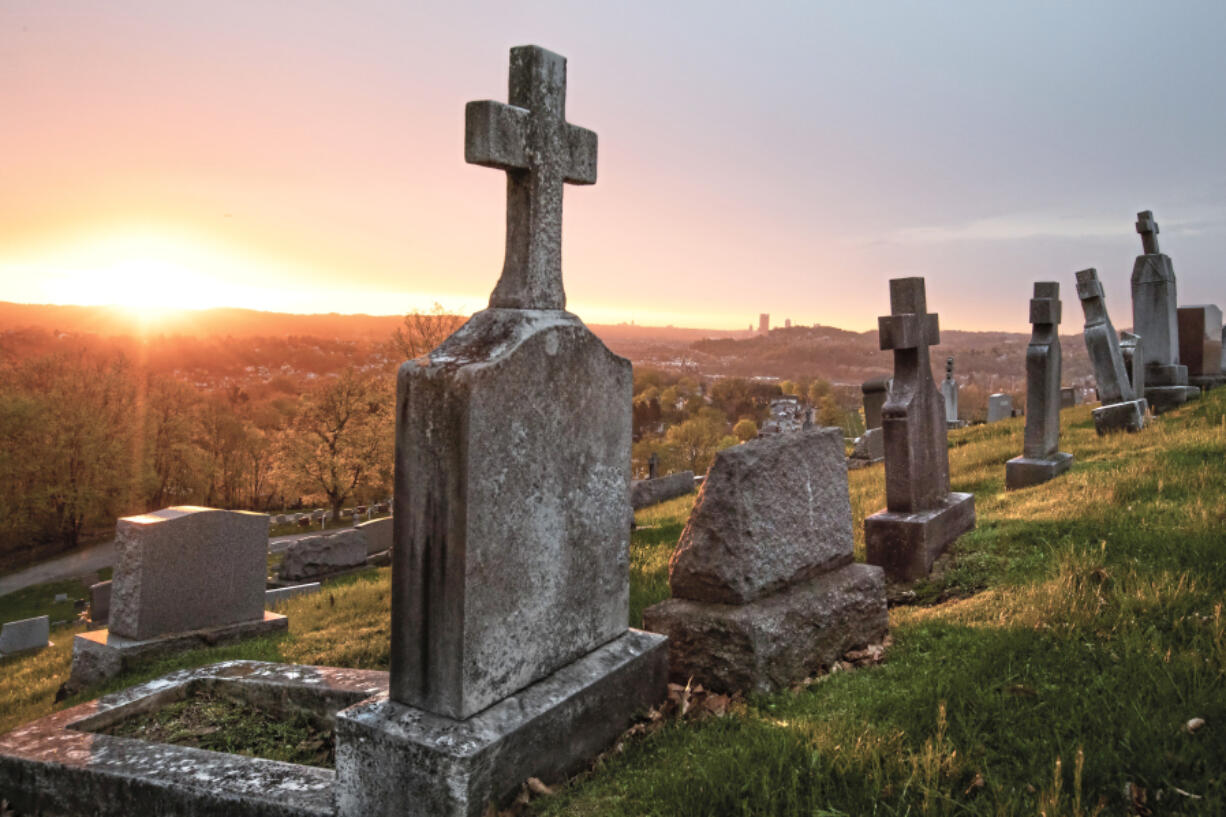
{"x": 422, "y": 332}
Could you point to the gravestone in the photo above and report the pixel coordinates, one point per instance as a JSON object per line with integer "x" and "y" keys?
{"x": 867, "y": 449}
{"x": 1068, "y": 397}
{"x": 647, "y": 492}
{"x": 184, "y": 576}
{"x": 1130, "y": 350}
{"x": 378, "y": 535}
{"x": 1200, "y": 344}
{"x": 1121, "y": 409}
{"x": 949, "y": 393}
{"x": 26, "y": 634}
{"x": 1000, "y": 407}
{"x": 510, "y": 657}
{"x": 765, "y": 592}
{"x": 100, "y": 601}
{"x": 1154, "y": 319}
{"x": 653, "y": 465}
{"x": 315, "y": 557}
{"x": 922, "y": 517}
{"x": 1041, "y": 460}
{"x": 875, "y": 392}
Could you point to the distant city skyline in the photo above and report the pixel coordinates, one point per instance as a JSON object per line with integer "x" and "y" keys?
{"x": 786, "y": 159}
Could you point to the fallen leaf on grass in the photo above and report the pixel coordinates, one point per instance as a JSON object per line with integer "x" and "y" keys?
{"x": 1193, "y": 725}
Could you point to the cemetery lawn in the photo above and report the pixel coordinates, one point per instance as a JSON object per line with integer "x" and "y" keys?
{"x": 1051, "y": 667}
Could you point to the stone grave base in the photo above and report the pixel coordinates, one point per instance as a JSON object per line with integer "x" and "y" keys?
{"x": 1205, "y": 382}
{"x": 393, "y": 759}
{"x": 906, "y": 544}
{"x": 1021, "y": 472}
{"x": 776, "y": 641}
{"x": 1127, "y": 416}
{"x": 60, "y": 765}
{"x": 1164, "y": 398}
{"x": 99, "y": 654}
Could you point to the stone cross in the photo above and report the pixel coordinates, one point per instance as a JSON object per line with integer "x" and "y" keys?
{"x": 1148, "y": 228}
{"x": 917, "y": 462}
{"x": 1043, "y": 367}
{"x": 531, "y": 140}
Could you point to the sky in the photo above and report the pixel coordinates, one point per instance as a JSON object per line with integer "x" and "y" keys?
{"x": 779, "y": 157}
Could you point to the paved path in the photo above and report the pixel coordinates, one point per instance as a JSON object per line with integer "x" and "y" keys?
{"x": 94, "y": 558}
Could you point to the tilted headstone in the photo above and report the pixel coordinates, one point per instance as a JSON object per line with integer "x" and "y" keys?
{"x": 949, "y": 393}
{"x": 1154, "y": 318}
{"x": 1041, "y": 460}
{"x": 100, "y": 601}
{"x": 764, "y": 588}
{"x": 26, "y": 634}
{"x": 1200, "y": 344}
{"x": 875, "y": 392}
{"x": 922, "y": 517}
{"x": 1000, "y": 407}
{"x": 510, "y": 656}
{"x": 1121, "y": 409}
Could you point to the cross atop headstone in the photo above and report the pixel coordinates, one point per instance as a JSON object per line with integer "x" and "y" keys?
{"x": 531, "y": 140}
{"x": 908, "y": 326}
{"x": 1148, "y": 228}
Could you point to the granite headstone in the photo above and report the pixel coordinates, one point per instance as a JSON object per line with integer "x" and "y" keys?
{"x": 1041, "y": 460}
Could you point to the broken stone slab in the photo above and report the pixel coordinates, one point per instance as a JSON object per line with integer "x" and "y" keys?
{"x": 1130, "y": 350}
{"x": 187, "y": 568}
{"x": 775, "y": 641}
{"x": 63, "y": 764}
{"x": 25, "y": 634}
{"x": 1022, "y": 472}
{"x": 906, "y": 544}
{"x": 312, "y": 557}
{"x": 772, "y": 512}
{"x": 101, "y": 654}
{"x": 280, "y": 595}
{"x": 1126, "y": 416}
{"x": 647, "y": 492}
{"x": 397, "y": 759}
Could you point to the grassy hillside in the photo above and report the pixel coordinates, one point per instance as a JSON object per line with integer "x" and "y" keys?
{"x": 1050, "y": 668}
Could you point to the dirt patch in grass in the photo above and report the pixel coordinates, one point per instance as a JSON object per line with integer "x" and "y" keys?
{"x": 211, "y": 720}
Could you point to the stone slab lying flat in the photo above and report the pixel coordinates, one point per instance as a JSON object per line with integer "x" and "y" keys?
{"x": 60, "y": 765}
{"x": 776, "y": 641}
{"x": 280, "y": 595}
{"x": 647, "y": 492}
{"x": 101, "y": 654}
{"x": 313, "y": 557}
{"x": 1126, "y": 416}
{"x": 393, "y": 759}
{"x": 1021, "y": 472}
{"x": 906, "y": 544}
{"x": 26, "y": 634}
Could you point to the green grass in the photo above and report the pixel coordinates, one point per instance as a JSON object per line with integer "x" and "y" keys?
{"x": 1052, "y": 664}
{"x": 40, "y": 600}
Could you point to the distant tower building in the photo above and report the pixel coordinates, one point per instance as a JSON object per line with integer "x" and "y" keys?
{"x": 764, "y": 323}
{"x": 787, "y": 323}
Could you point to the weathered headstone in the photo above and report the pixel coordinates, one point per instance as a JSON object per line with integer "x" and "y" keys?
{"x": 764, "y": 588}
{"x": 1121, "y": 409}
{"x": 1068, "y": 397}
{"x": 315, "y": 557}
{"x": 867, "y": 449}
{"x": 653, "y": 465}
{"x": 1041, "y": 460}
{"x": 1000, "y": 407}
{"x": 1154, "y": 318}
{"x": 100, "y": 601}
{"x": 378, "y": 535}
{"x": 511, "y": 656}
{"x": 922, "y": 517}
{"x": 1200, "y": 344}
{"x": 26, "y": 634}
{"x": 949, "y": 393}
{"x": 184, "y": 576}
{"x": 875, "y": 392}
